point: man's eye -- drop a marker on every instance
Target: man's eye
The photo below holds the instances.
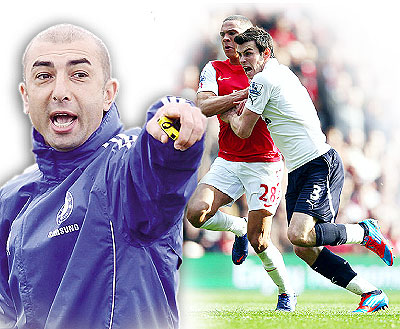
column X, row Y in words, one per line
column 80, row 75
column 43, row 76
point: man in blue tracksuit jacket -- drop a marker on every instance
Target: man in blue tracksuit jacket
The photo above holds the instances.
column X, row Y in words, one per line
column 91, row 236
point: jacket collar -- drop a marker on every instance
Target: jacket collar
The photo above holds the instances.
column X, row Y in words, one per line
column 56, row 165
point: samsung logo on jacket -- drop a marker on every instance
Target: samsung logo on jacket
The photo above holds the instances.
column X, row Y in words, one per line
column 63, row 230
column 94, row 236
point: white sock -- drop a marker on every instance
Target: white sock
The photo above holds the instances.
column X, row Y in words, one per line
column 355, row 233
column 224, row 222
column 360, row 286
column 273, row 263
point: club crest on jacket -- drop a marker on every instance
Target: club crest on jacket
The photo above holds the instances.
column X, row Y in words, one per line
column 66, row 210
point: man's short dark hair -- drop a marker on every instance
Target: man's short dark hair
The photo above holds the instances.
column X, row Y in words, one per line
column 261, row 37
column 242, row 19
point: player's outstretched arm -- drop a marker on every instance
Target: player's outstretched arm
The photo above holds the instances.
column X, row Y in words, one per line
column 193, row 124
column 210, row 104
column 153, row 172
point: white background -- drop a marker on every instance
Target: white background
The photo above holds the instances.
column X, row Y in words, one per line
column 148, row 43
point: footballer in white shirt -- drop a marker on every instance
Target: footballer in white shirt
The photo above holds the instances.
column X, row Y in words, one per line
column 315, row 169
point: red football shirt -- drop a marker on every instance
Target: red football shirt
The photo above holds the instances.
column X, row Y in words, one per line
column 259, row 147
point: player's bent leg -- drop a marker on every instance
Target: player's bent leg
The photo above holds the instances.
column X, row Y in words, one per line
column 202, row 212
column 302, row 234
column 301, row 231
column 204, row 203
column 376, row 242
column 306, row 231
column 372, row 301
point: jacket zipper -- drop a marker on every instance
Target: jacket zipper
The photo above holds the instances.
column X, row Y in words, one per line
column 114, row 275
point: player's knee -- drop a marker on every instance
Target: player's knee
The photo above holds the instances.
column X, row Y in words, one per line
column 258, row 242
column 298, row 238
column 198, row 212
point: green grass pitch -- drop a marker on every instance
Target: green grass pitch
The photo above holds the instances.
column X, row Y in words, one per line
column 226, row 309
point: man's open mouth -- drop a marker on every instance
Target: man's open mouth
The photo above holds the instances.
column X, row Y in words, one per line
column 63, row 120
column 247, row 69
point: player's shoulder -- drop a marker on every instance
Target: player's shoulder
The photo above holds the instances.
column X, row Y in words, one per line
column 271, row 74
column 223, row 65
column 220, row 62
column 214, row 66
column 209, row 66
column 262, row 78
column 29, row 175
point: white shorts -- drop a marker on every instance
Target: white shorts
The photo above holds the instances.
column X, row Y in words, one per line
column 261, row 181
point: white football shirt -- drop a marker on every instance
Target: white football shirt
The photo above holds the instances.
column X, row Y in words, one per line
column 208, row 79
column 284, row 103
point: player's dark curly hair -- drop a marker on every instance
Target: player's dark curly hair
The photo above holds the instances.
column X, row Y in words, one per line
column 261, row 37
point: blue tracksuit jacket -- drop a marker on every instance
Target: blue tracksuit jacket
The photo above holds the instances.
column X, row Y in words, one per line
column 92, row 238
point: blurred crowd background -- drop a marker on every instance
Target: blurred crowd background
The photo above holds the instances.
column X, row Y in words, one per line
column 354, row 114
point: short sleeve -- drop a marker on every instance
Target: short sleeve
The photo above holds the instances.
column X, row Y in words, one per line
column 208, row 79
column 259, row 94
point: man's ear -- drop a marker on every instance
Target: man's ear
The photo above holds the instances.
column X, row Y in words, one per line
column 24, row 95
column 110, row 92
column 267, row 53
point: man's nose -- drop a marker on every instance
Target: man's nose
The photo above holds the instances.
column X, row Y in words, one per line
column 61, row 92
column 226, row 37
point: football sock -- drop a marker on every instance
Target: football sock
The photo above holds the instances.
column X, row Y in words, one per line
column 334, row 268
column 330, row 234
column 273, row 263
column 355, row 233
column 360, row 286
column 224, row 222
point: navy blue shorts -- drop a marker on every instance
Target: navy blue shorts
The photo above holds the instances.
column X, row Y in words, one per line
column 315, row 188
